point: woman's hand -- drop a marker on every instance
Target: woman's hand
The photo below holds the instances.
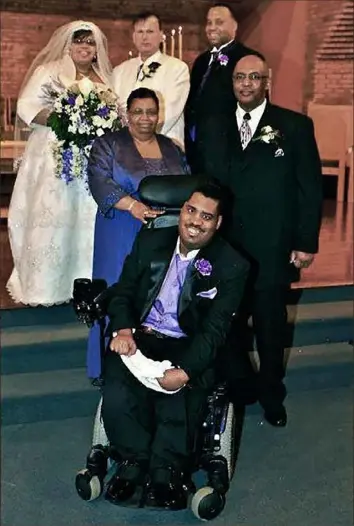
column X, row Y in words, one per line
column 143, row 212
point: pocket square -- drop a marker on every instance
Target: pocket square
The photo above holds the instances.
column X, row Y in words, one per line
column 279, row 153
column 208, row 294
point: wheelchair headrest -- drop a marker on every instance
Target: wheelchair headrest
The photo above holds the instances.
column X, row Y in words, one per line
column 169, row 191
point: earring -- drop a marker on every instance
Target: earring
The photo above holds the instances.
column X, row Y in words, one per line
column 94, row 58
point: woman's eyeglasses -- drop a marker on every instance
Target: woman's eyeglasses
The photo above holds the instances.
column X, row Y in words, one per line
column 138, row 113
column 88, row 41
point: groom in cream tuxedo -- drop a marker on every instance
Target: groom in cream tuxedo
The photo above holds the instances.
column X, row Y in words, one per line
column 166, row 75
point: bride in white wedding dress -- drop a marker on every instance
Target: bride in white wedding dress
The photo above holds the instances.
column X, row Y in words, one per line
column 51, row 223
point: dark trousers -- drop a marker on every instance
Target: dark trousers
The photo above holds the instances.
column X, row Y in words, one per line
column 154, row 428
column 267, row 307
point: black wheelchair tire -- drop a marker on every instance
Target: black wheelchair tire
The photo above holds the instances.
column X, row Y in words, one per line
column 207, row 503
column 87, row 486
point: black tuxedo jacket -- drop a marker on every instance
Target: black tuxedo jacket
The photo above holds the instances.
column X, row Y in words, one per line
column 215, row 98
column 206, row 322
column 276, row 190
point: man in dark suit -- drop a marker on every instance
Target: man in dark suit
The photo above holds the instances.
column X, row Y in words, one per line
column 211, row 92
column 271, row 163
column 179, row 289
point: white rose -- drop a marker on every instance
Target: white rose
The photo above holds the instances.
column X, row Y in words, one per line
column 266, row 139
column 85, row 86
column 99, row 132
column 97, row 121
column 267, row 129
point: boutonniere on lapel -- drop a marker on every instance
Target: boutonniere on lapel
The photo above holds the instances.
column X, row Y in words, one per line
column 222, row 59
column 205, row 268
column 147, row 72
column 270, row 136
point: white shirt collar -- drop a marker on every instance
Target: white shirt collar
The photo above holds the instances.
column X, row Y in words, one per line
column 218, row 49
column 191, row 255
column 156, row 57
column 256, row 114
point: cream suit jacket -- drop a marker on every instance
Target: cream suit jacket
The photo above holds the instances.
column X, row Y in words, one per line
column 170, row 83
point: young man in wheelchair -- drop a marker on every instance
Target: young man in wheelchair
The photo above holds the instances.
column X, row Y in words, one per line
column 173, row 304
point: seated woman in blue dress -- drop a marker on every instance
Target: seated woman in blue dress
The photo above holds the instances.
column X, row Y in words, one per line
column 118, row 162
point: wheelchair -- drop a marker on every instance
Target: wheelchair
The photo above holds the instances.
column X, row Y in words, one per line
column 218, row 440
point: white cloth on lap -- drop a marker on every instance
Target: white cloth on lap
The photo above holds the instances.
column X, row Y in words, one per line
column 147, row 371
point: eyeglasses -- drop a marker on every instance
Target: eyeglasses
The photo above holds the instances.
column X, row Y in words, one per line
column 253, row 77
column 88, row 41
column 139, row 113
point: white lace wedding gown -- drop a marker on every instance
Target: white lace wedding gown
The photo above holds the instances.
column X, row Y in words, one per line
column 51, row 223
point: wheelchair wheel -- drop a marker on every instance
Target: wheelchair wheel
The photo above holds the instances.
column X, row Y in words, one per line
column 88, row 487
column 99, row 433
column 227, row 441
column 207, row 503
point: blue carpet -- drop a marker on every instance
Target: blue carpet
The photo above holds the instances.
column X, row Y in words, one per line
column 298, row 476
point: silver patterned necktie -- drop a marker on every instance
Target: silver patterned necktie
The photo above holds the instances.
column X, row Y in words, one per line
column 245, row 131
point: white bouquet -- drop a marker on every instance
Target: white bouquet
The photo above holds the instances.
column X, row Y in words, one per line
column 81, row 113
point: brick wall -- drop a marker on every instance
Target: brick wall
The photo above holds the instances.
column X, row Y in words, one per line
column 333, row 82
column 327, row 81
column 186, row 10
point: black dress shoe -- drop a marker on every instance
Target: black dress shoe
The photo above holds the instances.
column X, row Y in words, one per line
column 169, row 490
column 277, row 418
column 166, row 497
column 126, row 486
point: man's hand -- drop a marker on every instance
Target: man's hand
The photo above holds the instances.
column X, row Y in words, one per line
column 123, row 343
column 301, row 259
column 173, row 379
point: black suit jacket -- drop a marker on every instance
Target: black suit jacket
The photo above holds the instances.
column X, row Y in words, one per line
column 215, row 98
column 206, row 322
column 277, row 197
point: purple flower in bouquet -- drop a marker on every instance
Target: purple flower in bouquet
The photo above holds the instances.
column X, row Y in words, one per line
column 203, row 266
column 71, row 100
column 223, row 59
column 103, row 112
column 67, row 165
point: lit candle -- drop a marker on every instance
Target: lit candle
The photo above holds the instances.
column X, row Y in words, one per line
column 164, row 43
column 180, row 42
column 173, row 42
